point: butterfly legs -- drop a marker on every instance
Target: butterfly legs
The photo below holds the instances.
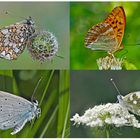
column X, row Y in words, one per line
column 111, row 55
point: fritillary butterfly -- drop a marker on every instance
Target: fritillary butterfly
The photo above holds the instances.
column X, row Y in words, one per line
column 108, row 34
column 14, row 38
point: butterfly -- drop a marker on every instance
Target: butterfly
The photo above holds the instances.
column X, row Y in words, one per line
column 16, row 111
column 108, row 35
column 130, row 101
column 14, row 38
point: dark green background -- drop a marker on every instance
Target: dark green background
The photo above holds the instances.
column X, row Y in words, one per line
column 86, row 14
column 90, row 88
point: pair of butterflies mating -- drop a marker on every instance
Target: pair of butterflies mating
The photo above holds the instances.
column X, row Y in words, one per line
column 108, row 35
column 16, row 111
column 14, row 38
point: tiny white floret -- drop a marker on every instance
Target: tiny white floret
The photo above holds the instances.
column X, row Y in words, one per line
column 135, row 102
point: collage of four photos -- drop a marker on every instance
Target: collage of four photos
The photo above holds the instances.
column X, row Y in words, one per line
column 69, row 69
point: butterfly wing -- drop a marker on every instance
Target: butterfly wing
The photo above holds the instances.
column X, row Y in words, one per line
column 132, row 102
column 13, row 110
column 13, row 40
column 108, row 34
column 101, row 37
column 117, row 20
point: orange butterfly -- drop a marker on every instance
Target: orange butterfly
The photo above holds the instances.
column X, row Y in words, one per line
column 108, row 34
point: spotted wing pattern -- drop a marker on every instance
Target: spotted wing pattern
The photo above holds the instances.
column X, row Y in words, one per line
column 14, row 38
column 108, row 34
column 14, row 111
column 132, row 102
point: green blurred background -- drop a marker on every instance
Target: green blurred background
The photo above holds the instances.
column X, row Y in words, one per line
column 86, row 14
column 90, row 88
column 51, row 16
column 52, row 95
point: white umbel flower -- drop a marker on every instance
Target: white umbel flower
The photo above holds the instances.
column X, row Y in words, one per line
column 110, row 63
column 108, row 114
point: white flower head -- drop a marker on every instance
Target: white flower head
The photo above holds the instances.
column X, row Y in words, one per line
column 110, row 63
column 108, row 114
column 43, row 46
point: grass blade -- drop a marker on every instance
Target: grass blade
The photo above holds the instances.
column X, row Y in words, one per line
column 49, row 122
column 49, row 80
column 63, row 114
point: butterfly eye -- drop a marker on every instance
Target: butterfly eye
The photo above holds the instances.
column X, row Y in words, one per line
column 119, row 97
column 35, row 102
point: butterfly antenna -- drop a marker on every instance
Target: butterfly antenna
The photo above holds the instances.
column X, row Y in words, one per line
column 115, row 86
column 133, row 44
column 32, row 98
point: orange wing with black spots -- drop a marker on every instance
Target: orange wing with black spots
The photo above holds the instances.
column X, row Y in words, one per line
column 108, row 34
column 117, row 20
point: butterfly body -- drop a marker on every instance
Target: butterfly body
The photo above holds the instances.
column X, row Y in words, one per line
column 14, row 38
column 108, row 35
column 131, row 102
column 15, row 111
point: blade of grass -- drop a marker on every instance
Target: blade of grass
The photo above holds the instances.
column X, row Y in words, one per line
column 49, row 122
column 63, row 103
column 66, row 120
column 15, row 87
column 6, row 83
column 46, row 88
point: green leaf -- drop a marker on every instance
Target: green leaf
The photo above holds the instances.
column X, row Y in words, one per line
column 63, row 114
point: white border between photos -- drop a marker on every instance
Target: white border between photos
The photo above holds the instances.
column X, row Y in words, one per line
column 68, row 0
column 67, row 138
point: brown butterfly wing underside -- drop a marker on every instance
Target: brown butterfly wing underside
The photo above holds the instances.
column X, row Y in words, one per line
column 108, row 34
column 14, row 38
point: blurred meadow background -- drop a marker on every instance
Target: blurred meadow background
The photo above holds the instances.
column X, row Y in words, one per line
column 50, row 16
column 52, row 95
column 86, row 14
column 90, row 88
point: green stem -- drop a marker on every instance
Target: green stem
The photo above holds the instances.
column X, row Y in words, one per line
column 107, row 133
column 49, row 122
column 65, row 121
column 44, row 93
